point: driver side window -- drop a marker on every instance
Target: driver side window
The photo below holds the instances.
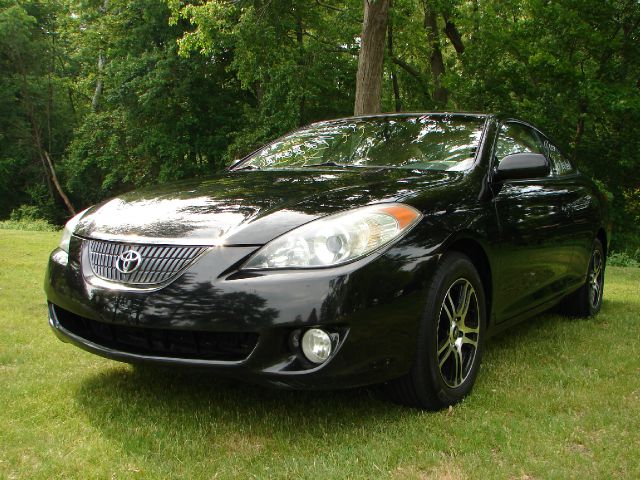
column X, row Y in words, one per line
column 517, row 138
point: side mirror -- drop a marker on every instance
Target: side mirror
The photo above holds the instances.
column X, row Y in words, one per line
column 522, row 165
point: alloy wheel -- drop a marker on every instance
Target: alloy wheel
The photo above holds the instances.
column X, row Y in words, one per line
column 458, row 332
column 596, row 278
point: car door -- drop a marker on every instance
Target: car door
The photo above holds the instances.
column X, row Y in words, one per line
column 533, row 244
column 580, row 208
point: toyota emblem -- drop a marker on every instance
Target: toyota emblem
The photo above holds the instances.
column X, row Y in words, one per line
column 128, row 261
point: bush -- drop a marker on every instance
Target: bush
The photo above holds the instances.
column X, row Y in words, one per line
column 624, row 259
column 28, row 225
column 27, row 217
column 25, row 213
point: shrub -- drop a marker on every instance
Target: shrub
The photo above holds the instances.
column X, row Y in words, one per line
column 28, row 225
column 26, row 217
column 624, row 259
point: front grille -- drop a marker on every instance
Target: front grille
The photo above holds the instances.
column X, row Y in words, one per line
column 222, row 346
column 158, row 263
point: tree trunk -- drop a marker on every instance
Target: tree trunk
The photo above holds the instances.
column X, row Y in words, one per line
column 440, row 94
column 47, row 164
column 97, row 93
column 36, row 133
column 370, row 60
column 54, row 178
column 582, row 113
column 394, row 77
column 99, row 84
column 301, row 65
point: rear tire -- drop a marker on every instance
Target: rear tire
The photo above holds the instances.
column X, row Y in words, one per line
column 587, row 300
column 450, row 339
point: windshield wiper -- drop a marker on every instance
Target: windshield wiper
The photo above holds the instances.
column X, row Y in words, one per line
column 325, row 164
column 346, row 165
column 246, row 167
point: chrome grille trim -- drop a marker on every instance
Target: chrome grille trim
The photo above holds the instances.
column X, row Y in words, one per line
column 160, row 263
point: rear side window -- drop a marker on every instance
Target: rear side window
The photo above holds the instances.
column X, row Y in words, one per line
column 517, row 138
column 560, row 165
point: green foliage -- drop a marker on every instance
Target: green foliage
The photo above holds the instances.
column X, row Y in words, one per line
column 632, row 202
column 27, row 217
column 160, row 117
column 32, row 101
column 624, row 259
column 626, row 217
column 122, row 94
column 37, row 225
column 25, row 213
column 294, row 59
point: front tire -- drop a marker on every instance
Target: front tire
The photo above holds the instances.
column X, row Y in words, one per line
column 450, row 340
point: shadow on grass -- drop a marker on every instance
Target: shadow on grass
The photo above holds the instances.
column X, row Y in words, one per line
column 141, row 403
column 148, row 405
column 526, row 331
column 535, row 329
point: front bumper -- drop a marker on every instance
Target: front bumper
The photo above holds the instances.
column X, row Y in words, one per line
column 373, row 305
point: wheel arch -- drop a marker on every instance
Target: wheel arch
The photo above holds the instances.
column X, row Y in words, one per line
column 477, row 253
column 602, row 236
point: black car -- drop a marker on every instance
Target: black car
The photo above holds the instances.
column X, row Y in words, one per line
column 377, row 249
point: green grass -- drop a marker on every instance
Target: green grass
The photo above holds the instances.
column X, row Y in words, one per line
column 556, row 398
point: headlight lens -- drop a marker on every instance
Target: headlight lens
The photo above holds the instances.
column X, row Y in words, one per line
column 336, row 239
column 68, row 231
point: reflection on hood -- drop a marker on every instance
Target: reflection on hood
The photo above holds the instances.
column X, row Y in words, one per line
column 245, row 207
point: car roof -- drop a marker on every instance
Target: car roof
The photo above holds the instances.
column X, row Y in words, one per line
column 477, row 115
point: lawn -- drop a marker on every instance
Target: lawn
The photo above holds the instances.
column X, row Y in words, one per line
column 556, row 398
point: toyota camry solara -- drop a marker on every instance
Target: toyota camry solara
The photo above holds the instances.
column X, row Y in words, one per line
column 379, row 249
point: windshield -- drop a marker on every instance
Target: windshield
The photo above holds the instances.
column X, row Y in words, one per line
column 419, row 142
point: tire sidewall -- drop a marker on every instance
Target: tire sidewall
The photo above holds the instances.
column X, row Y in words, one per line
column 453, row 267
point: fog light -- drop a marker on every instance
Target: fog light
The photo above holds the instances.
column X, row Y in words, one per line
column 316, row 345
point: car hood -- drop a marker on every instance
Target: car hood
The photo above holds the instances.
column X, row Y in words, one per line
column 247, row 207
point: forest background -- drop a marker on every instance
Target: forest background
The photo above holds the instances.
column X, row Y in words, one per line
column 102, row 96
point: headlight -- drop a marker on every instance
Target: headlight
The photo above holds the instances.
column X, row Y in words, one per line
column 68, row 230
column 336, row 239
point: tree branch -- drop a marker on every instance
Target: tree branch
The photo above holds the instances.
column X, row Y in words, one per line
column 54, row 177
column 440, row 94
column 334, row 48
column 330, row 7
column 410, row 69
column 452, row 33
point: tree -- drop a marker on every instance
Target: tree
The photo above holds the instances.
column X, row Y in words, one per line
column 295, row 60
column 185, row 87
column 161, row 116
column 371, row 58
column 33, row 130
column 440, row 93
